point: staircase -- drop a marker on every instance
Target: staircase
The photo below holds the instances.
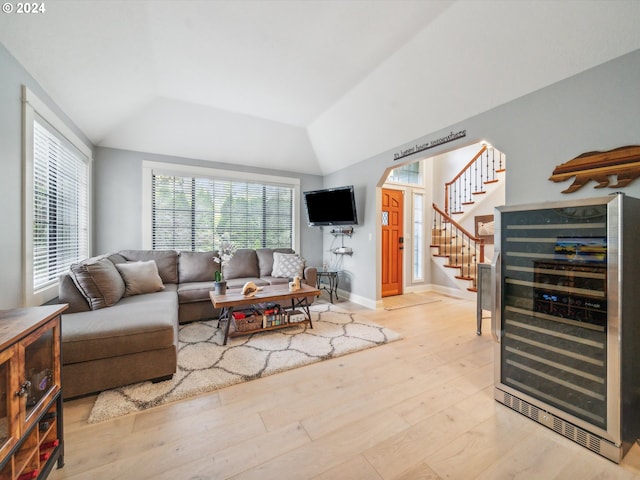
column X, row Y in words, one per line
column 459, row 250
column 453, row 247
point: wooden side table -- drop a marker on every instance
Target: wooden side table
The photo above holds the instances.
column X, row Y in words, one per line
column 331, row 283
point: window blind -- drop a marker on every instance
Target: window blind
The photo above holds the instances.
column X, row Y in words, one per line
column 60, row 205
column 194, row 213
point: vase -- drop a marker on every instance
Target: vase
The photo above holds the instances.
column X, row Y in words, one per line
column 220, row 288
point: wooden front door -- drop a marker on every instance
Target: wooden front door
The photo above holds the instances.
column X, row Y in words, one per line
column 392, row 241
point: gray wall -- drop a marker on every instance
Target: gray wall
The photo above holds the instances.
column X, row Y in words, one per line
column 12, row 77
column 118, row 199
column 596, row 110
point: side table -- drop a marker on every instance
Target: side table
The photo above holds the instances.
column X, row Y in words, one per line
column 330, row 283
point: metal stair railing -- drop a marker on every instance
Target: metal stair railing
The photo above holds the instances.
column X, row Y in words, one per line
column 464, row 250
column 481, row 170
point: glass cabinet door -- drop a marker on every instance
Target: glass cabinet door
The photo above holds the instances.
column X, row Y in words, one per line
column 8, row 402
column 40, row 357
column 554, row 308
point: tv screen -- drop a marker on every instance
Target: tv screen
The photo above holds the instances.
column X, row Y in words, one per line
column 332, row 206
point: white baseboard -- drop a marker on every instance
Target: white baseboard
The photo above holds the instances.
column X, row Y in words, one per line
column 364, row 301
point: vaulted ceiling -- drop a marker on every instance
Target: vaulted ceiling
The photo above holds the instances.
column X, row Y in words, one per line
column 302, row 85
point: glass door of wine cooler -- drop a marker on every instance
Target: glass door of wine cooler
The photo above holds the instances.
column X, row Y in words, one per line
column 553, row 315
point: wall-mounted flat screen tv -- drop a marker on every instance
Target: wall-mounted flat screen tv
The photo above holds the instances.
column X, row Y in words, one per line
column 331, row 206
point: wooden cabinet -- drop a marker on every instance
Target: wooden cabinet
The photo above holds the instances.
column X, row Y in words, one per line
column 31, row 435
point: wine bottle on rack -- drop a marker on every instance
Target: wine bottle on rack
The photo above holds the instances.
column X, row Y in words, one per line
column 49, row 445
column 44, row 456
column 29, row 475
column 49, row 416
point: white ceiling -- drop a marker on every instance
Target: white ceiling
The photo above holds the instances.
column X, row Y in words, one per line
column 301, row 85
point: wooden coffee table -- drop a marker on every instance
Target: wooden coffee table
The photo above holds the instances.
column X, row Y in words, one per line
column 271, row 293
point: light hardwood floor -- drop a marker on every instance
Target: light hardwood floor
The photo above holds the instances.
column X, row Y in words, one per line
column 419, row 408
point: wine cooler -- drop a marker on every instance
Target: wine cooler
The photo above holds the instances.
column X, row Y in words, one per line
column 566, row 319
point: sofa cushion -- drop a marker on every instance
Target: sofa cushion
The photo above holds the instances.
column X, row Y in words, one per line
column 287, row 265
column 98, row 281
column 69, row 293
column 140, row 277
column 265, row 258
column 275, row 280
column 197, row 266
column 244, row 263
column 239, row 282
column 194, row 292
column 136, row 324
column 166, row 260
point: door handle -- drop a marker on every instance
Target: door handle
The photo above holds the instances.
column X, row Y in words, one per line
column 495, row 300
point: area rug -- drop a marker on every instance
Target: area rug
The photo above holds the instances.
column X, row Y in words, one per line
column 205, row 365
column 408, row 300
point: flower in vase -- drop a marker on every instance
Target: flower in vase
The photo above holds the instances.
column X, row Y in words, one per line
column 226, row 250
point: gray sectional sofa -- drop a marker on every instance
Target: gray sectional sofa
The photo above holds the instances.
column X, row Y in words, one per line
column 124, row 309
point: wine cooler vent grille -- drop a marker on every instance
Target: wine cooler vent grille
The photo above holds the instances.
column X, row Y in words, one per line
column 565, row 429
column 521, row 406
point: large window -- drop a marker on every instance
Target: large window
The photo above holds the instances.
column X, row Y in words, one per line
column 418, row 237
column 57, row 172
column 194, row 210
column 410, row 173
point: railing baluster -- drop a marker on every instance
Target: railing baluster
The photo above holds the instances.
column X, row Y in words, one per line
column 493, row 163
column 486, row 157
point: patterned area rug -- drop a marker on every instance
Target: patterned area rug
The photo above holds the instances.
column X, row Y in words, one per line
column 204, row 364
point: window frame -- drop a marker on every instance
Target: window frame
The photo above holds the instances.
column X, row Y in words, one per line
column 32, row 106
column 149, row 168
column 417, row 237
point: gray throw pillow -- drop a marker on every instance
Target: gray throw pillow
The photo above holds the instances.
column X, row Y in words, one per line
column 287, row 265
column 140, row 277
column 98, row 281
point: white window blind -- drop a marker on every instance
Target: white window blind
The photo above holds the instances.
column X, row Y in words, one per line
column 193, row 213
column 60, row 205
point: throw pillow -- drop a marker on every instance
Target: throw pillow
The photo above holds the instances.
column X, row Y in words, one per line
column 287, row 265
column 98, row 281
column 140, row 277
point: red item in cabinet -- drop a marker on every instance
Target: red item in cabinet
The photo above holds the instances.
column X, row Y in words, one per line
column 28, row 475
column 51, row 444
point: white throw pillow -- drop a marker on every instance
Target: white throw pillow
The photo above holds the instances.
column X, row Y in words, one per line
column 287, row 265
column 140, row 277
